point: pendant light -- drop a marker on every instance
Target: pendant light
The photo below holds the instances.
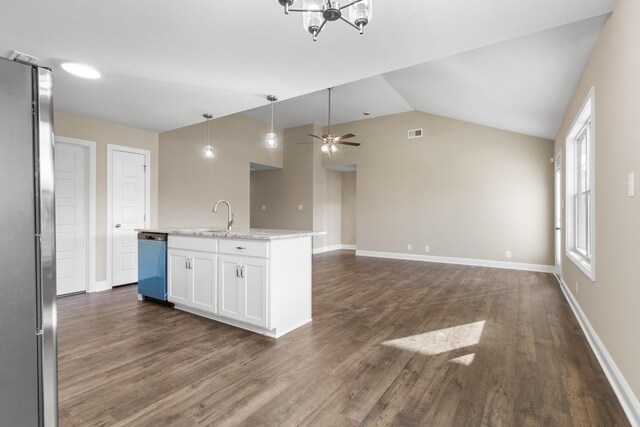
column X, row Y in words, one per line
column 208, row 149
column 272, row 138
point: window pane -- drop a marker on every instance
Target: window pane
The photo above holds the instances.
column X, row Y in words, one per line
column 581, row 163
column 581, row 222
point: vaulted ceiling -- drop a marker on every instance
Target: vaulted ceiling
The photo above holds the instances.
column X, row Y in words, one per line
column 166, row 62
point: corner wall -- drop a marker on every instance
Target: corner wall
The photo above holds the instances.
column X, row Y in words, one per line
column 464, row 190
column 611, row 302
column 189, row 184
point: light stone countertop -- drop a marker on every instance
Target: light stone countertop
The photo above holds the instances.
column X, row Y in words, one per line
column 250, row 234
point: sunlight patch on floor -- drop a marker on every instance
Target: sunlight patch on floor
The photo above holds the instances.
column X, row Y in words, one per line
column 443, row 341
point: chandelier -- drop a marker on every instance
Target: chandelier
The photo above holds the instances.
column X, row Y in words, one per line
column 316, row 13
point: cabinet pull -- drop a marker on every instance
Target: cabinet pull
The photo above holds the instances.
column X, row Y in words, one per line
column 237, row 271
column 242, row 271
column 188, row 264
column 241, row 248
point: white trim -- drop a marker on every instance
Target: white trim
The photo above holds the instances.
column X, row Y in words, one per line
column 620, row 386
column 109, row 228
column 99, row 287
column 461, row 261
column 333, row 248
column 587, row 266
column 91, row 205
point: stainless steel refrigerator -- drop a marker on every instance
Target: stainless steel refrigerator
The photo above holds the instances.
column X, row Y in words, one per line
column 28, row 354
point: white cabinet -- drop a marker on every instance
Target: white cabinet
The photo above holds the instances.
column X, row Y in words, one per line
column 242, row 289
column 259, row 285
column 192, row 279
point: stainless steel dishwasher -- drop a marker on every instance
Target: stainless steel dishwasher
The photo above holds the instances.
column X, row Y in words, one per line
column 152, row 266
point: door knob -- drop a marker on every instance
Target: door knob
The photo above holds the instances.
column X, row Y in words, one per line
column 118, row 225
column 558, row 228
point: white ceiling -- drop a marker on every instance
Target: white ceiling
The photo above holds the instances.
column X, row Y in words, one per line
column 167, row 62
column 523, row 85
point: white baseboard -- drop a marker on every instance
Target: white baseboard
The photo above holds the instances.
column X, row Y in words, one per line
column 99, row 287
column 333, row 248
column 620, row 386
column 462, row 261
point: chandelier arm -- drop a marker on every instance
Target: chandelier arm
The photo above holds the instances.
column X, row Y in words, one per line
column 321, row 27
column 351, row 23
column 350, row 4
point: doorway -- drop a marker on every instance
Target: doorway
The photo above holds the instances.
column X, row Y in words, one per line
column 75, row 215
column 128, row 207
column 558, row 204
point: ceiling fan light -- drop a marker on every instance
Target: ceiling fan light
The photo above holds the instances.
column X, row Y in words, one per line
column 334, row 148
column 325, row 148
column 272, row 140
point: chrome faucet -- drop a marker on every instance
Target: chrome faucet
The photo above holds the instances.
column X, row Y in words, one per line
column 231, row 218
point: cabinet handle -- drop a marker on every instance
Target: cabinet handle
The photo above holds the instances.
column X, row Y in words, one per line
column 241, row 248
column 242, row 271
column 188, row 263
column 237, row 271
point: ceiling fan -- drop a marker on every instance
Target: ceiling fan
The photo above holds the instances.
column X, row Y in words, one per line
column 329, row 141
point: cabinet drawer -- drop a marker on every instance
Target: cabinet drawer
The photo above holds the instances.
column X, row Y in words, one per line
column 245, row 247
column 201, row 244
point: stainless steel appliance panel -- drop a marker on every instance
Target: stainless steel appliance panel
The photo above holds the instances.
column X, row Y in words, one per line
column 19, row 394
column 45, row 227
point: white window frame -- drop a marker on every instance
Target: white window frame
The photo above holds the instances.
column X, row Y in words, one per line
column 584, row 122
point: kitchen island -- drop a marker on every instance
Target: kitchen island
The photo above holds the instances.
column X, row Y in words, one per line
column 255, row 279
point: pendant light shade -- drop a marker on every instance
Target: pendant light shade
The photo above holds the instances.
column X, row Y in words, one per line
column 272, row 138
column 209, row 153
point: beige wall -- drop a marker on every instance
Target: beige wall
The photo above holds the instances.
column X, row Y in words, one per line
column 282, row 190
column 327, row 202
column 189, row 184
column 349, row 208
column 103, row 133
column 611, row 302
column 465, row 190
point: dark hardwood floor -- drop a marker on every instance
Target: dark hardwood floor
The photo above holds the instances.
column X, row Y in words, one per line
column 392, row 342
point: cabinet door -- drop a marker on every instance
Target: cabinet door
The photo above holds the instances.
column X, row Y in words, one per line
column 179, row 277
column 254, row 278
column 203, row 295
column 229, row 297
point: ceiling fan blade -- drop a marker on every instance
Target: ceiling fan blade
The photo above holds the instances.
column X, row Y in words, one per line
column 347, row 136
column 316, row 136
column 310, row 142
column 355, row 144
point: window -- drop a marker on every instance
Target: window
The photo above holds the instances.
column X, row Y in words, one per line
column 580, row 189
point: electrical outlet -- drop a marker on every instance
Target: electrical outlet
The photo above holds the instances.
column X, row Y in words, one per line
column 300, row 207
column 508, row 254
column 409, row 247
column 631, row 184
column 426, row 248
column 264, row 207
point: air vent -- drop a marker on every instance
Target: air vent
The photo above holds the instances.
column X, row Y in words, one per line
column 414, row 133
column 22, row 57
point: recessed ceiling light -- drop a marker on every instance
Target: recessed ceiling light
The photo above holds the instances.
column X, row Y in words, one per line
column 81, row 70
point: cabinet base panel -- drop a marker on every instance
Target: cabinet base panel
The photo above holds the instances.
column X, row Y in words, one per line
column 273, row 333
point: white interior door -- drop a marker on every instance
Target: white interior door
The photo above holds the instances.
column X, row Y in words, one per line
column 128, row 175
column 558, row 212
column 71, row 217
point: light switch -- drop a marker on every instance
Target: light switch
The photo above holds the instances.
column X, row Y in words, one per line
column 300, row 207
column 631, row 184
column 264, row 207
